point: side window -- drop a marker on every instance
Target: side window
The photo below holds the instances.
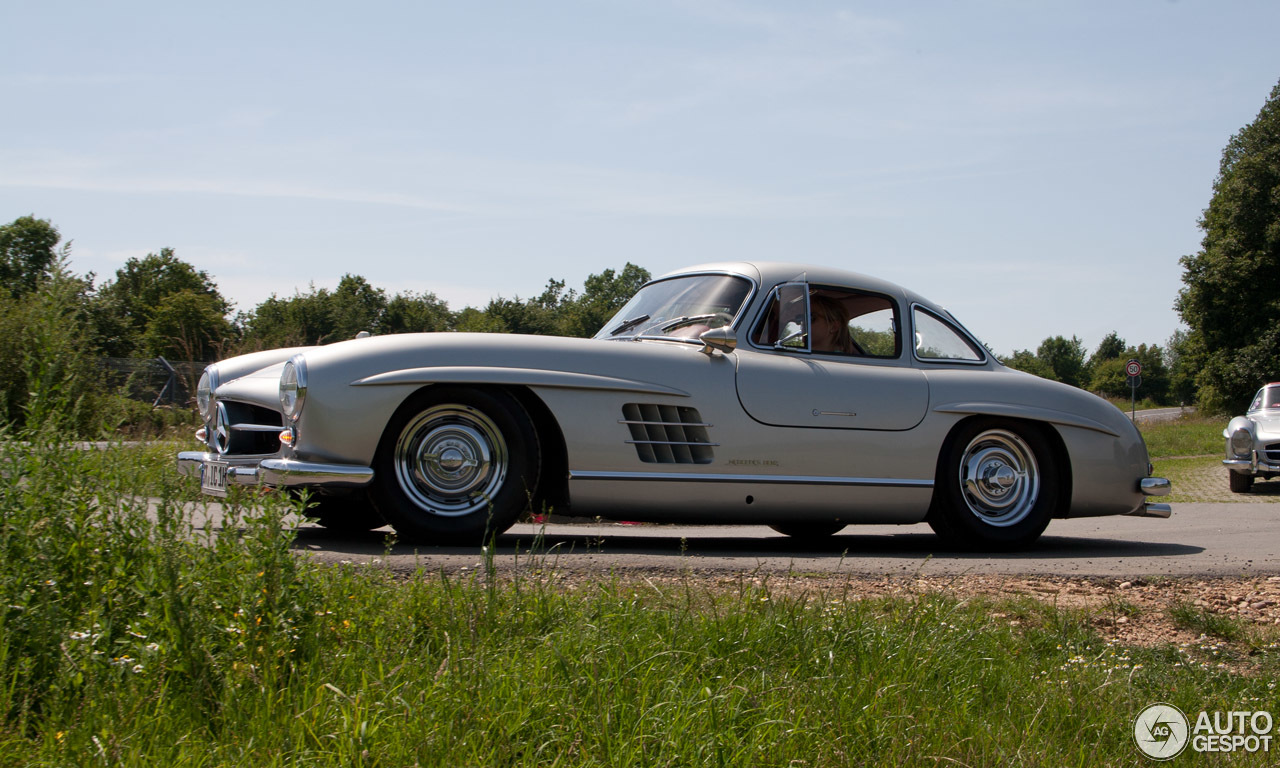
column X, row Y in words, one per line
column 785, row 324
column 828, row 320
column 936, row 339
column 876, row 332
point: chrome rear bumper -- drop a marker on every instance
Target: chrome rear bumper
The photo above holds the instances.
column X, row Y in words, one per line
column 1153, row 486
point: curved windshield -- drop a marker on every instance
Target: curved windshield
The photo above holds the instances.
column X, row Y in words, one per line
column 679, row 308
column 1267, row 399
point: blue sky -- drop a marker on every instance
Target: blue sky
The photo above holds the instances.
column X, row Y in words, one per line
column 1036, row 167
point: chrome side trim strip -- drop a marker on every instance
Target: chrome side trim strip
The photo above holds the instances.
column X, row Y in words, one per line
column 667, row 423
column 699, row 477
column 533, row 377
column 668, row 442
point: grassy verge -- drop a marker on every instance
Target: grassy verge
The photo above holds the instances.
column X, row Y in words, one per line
column 1194, row 436
column 128, row 636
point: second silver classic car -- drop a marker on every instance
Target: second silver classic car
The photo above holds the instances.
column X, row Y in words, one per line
column 1253, row 441
column 803, row 398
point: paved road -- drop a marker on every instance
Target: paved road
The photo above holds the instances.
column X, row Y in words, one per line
column 1161, row 414
column 1241, row 539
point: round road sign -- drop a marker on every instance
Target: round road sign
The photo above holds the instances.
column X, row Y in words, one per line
column 1133, row 368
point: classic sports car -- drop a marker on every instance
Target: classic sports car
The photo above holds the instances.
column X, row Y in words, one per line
column 1253, row 441
column 803, row 398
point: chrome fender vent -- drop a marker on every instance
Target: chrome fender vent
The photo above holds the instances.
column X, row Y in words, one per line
column 668, row 434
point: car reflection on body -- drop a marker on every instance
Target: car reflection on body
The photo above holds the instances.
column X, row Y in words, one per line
column 706, row 399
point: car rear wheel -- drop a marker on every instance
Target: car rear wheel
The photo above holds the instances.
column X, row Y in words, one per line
column 1240, row 483
column 811, row 531
column 997, row 487
column 456, row 466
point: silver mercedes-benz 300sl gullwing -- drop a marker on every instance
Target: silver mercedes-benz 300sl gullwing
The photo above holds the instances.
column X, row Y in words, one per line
column 802, row 398
column 1253, row 441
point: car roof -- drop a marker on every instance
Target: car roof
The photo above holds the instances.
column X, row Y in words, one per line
column 769, row 273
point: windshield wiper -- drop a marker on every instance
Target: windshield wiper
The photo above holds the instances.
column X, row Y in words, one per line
column 628, row 325
column 680, row 322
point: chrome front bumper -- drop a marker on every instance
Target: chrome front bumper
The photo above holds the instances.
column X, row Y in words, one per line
column 275, row 471
column 1250, row 466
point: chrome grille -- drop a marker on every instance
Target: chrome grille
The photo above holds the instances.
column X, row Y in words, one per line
column 668, row 434
column 243, row 429
column 1271, row 453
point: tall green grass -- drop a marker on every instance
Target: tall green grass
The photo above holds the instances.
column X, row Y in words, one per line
column 113, row 603
column 1188, row 436
column 134, row 634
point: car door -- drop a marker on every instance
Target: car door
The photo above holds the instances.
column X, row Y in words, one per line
column 786, row 378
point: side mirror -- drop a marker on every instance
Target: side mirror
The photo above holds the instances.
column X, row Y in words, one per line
column 719, row 339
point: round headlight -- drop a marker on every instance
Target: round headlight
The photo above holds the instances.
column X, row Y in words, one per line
column 1242, row 443
column 293, row 387
column 205, row 391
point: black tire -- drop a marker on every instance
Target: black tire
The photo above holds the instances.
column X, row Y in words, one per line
column 348, row 513
column 456, row 466
column 996, row 487
column 1240, row 483
column 809, row 531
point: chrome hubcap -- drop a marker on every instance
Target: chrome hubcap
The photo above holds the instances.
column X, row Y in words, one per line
column 999, row 478
column 450, row 460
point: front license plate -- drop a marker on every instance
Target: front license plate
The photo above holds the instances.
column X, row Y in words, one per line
column 213, row 478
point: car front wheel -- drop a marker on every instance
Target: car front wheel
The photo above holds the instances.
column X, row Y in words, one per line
column 996, row 488
column 1240, row 483
column 456, row 466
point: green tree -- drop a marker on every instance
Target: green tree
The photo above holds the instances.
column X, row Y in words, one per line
column 187, row 326
column 1026, row 360
column 416, row 313
column 472, row 320
column 300, row 320
column 28, row 253
column 355, row 306
column 1231, row 298
column 1183, row 355
column 1109, row 377
column 48, row 375
column 603, row 294
column 127, row 305
column 1111, row 347
column 1064, row 357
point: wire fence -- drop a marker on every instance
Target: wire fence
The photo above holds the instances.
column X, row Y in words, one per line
column 153, row 380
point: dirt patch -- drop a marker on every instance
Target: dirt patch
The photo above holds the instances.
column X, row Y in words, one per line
column 1231, row 616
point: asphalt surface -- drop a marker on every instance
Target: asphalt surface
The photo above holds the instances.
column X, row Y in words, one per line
column 1161, row 414
column 1210, row 540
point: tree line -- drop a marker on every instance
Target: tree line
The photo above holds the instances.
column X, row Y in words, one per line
column 55, row 324
column 1167, row 378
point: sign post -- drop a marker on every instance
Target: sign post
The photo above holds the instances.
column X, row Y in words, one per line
column 1133, row 369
